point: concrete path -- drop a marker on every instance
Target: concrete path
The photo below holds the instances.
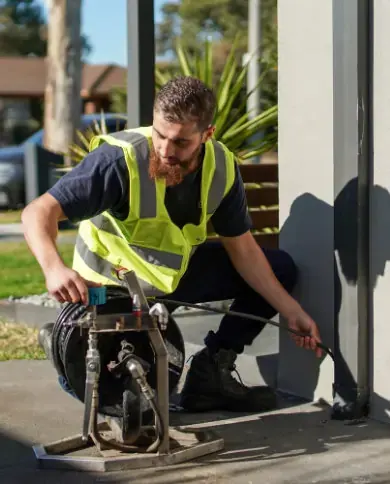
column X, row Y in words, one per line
column 11, row 229
column 11, row 232
column 296, row 444
column 14, row 233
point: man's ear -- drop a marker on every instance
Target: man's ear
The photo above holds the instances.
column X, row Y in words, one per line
column 208, row 133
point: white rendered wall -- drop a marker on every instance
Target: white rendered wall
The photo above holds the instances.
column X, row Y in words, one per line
column 380, row 215
column 318, row 145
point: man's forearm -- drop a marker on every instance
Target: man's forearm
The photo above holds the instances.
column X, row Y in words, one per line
column 40, row 225
column 254, row 268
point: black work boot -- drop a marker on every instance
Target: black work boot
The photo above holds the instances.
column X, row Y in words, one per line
column 45, row 339
column 210, row 385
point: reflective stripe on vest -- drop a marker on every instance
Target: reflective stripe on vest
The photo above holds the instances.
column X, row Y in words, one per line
column 148, row 202
column 106, row 269
column 218, row 184
column 153, row 256
column 95, row 262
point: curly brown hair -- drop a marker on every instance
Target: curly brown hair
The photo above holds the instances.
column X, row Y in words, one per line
column 186, row 99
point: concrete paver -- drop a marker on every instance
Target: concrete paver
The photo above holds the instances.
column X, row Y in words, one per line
column 296, row 444
column 14, row 233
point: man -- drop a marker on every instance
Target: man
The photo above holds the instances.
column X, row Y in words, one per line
column 144, row 198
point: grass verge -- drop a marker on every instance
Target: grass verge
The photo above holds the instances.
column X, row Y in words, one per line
column 10, row 216
column 20, row 273
column 19, row 342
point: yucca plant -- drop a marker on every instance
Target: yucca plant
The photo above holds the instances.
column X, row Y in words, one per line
column 235, row 126
column 78, row 151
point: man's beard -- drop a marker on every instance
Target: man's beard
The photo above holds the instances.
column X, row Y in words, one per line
column 172, row 174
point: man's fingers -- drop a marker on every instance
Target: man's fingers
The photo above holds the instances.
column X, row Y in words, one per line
column 76, row 290
column 92, row 283
column 299, row 341
column 58, row 296
column 296, row 339
column 318, row 352
column 82, row 289
column 73, row 291
column 308, row 342
column 64, row 295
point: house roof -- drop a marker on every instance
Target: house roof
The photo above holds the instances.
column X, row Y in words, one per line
column 26, row 76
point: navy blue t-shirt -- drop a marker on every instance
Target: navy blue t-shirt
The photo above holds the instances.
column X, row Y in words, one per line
column 101, row 183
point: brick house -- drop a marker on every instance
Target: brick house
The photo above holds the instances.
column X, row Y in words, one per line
column 22, row 87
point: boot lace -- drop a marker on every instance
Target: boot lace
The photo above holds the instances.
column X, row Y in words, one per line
column 233, row 368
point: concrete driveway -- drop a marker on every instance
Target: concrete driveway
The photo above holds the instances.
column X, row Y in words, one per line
column 296, row 444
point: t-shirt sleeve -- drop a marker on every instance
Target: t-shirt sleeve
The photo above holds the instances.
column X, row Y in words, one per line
column 98, row 183
column 232, row 218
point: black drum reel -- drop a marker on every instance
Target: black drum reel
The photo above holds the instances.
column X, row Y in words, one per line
column 116, row 355
column 70, row 345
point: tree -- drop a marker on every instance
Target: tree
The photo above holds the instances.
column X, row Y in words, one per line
column 193, row 21
column 220, row 19
column 24, row 29
column 62, row 96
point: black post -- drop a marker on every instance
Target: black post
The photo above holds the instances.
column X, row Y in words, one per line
column 39, row 166
column 141, row 62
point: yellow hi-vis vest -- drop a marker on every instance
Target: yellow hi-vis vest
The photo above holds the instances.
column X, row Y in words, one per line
column 148, row 242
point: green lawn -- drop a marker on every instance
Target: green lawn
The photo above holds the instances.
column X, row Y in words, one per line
column 10, row 216
column 20, row 274
column 19, row 342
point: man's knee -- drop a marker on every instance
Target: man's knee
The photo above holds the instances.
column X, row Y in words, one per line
column 287, row 270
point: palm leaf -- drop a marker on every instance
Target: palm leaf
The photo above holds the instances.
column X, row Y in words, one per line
column 208, row 64
column 83, row 139
column 259, row 122
column 183, row 60
column 160, row 78
column 103, row 125
column 76, row 152
column 234, row 91
column 235, row 126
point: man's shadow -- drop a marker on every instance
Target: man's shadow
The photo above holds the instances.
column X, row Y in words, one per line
column 312, row 228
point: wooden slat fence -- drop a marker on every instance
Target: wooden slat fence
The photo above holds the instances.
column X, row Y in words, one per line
column 261, row 185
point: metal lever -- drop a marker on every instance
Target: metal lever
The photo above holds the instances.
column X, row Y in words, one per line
column 96, row 296
column 134, row 288
column 161, row 313
column 91, row 382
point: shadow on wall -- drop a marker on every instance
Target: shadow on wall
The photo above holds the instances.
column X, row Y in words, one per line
column 307, row 235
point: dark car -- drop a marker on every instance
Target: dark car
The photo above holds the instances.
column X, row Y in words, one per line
column 12, row 186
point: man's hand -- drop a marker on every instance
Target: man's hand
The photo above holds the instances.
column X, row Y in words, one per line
column 303, row 323
column 66, row 285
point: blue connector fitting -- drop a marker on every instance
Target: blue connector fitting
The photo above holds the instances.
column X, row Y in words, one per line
column 97, row 296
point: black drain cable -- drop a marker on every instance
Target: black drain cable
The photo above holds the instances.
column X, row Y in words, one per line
column 237, row 314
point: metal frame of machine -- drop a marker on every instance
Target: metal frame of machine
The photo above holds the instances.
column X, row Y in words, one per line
column 120, row 447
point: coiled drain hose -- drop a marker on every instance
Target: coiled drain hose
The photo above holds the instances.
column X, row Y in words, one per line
column 128, row 448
